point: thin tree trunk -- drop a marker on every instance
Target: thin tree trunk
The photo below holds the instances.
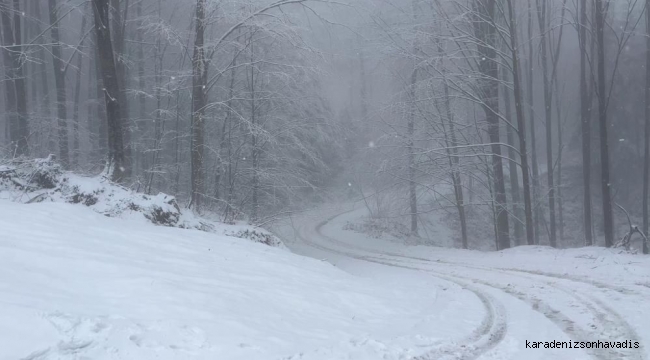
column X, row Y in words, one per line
column 92, row 113
column 102, row 121
column 454, row 163
column 410, row 148
column 531, row 115
column 608, row 218
column 512, row 167
column 226, row 124
column 542, row 11
column 560, row 153
column 555, row 54
column 198, row 106
column 155, row 152
column 452, row 154
column 646, row 147
column 585, row 120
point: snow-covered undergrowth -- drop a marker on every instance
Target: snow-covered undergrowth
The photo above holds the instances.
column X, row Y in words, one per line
column 613, row 265
column 75, row 284
column 43, row 180
column 378, row 228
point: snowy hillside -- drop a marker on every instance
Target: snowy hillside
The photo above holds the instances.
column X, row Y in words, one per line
column 75, row 284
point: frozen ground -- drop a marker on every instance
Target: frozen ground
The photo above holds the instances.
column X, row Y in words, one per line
column 75, row 284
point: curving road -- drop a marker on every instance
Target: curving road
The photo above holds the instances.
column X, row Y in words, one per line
column 518, row 305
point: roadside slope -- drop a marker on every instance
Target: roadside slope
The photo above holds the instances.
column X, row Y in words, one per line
column 76, row 284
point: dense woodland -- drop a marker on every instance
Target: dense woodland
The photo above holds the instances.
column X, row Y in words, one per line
column 518, row 121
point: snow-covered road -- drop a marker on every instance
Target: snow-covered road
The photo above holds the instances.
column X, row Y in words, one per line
column 523, row 296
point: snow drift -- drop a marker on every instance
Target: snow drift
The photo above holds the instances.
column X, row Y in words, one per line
column 43, row 180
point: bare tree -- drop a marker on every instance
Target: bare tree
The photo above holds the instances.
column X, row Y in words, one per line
column 646, row 144
column 585, row 121
column 521, row 125
column 199, row 83
column 605, row 182
column 486, row 33
column 115, row 168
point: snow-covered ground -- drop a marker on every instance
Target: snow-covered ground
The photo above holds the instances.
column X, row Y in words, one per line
column 75, row 284
column 528, row 293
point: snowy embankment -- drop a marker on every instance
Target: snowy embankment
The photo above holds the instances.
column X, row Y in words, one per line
column 42, row 180
column 77, row 284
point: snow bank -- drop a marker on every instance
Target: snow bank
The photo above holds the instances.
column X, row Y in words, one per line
column 78, row 285
column 42, row 180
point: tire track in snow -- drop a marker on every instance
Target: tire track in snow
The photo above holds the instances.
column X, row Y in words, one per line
column 612, row 323
column 486, row 336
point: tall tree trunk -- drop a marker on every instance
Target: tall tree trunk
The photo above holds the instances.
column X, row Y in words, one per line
column 646, row 147
column 142, row 99
column 115, row 162
column 410, row 145
column 91, row 111
column 59, row 80
column 102, row 121
column 77, row 92
column 199, row 78
column 521, row 125
column 485, row 31
column 514, row 173
column 410, row 149
column 531, row 115
column 224, row 127
column 254, row 144
column 119, row 17
column 16, row 93
column 44, row 87
column 555, row 54
column 21, row 89
column 585, row 121
column 608, row 218
column 542, row 12
column 560, row 153
column 10, row 68
column 454, row 164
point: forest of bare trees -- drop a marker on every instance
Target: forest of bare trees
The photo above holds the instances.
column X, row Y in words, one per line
column 518, row 122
